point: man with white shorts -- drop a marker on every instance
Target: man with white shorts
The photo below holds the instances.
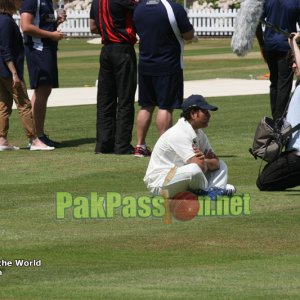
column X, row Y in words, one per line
column 183, row 159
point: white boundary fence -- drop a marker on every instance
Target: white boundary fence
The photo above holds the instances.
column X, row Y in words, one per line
column 213, row 22
column 205, row 22
column 77, row 24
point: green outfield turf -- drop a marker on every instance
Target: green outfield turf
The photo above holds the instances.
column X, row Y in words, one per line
column 207, row 59
column 230, row 257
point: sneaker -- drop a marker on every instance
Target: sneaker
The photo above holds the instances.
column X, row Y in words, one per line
column 29, row 143
column 142, row 152
column 8, row 148
column 38, row 148
column 45, row 139
column 230, row 188
column 214, row 192
column 199, row 192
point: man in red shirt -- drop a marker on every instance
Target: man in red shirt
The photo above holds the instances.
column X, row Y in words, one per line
column 112, row 19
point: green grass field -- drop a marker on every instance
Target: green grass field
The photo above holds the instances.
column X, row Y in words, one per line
column 232, row 257
column 207, row 59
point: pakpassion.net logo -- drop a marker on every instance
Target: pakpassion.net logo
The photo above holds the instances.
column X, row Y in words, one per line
column 112, row 204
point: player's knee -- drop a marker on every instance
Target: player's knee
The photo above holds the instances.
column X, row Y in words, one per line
column 195, row 170
column 223, row 165
column 264, row 183
column 260, row 184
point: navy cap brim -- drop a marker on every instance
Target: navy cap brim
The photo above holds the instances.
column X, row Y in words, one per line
column 209, row 107
column 197, row 101
column 204, row 106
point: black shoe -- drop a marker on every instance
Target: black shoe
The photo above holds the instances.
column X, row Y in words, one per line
column 45, row 139
column 101, row 148
column 129, row 150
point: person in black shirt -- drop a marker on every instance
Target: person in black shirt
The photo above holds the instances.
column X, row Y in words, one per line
column 274, row 48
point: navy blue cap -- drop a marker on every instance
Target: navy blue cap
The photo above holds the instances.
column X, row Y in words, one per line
column 197, row 101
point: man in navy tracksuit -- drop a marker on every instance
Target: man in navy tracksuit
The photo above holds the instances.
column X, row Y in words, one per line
column 284, row 14
column 112, row 19
column 162, row 25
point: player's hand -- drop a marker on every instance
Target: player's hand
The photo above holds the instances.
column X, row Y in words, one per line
column 57, row 36
column 198, row 153
column 195, row 39
column 16, row 80
column 291, row 38
column 203, row 165
column 62, row 17
column 294, row 36
column 209, row 154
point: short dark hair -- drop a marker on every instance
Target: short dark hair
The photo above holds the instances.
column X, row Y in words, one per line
column 186, row 114
column 8, row 6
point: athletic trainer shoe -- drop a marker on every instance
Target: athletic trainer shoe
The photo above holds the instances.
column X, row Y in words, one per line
column 8, row 148
column 214, row 192
column 38, row 148
column 29, row 143
column 230, row 188
column 142, row 152
column 45, row 139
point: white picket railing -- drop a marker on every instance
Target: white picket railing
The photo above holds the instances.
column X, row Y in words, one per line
column 213, row 22
column 205, row 22
column 77, row 24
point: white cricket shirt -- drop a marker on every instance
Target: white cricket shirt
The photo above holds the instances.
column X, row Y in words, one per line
column 174, row 148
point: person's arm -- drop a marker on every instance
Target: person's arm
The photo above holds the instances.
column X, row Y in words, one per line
column 201, row 162
column 15, row 76
column 32, row 30
column 207, row 161
column 93, row 27
column 260, row 39
column 62, row 17
column 212, row 160
column 185, row 27
column 7, row 41
column 188, row 36
column 293, row 41
column 94, row 18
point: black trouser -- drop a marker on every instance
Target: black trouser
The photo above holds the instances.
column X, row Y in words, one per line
column 281, row 174
column 281, row 77
column 115, row 99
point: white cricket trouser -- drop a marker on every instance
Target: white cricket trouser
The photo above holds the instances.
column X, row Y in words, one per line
column 190, row 177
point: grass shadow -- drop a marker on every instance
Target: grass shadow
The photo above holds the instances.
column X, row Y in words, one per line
column 293, row 191
column 76, row 143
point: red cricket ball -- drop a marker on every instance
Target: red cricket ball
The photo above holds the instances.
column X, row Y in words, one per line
column 184, row 206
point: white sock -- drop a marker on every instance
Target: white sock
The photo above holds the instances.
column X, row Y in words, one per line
column 144, row 146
